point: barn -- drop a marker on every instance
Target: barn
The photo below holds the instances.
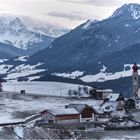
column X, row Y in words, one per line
column 100, row 94
column 60, row 116
column 87, row 113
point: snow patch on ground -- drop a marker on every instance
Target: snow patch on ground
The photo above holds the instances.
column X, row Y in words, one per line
column 103, row 69
column 19, row 131
column 127, row 25
column 34, row 77
column 135, row 13
column 22, row 58
column 3, row 60
column 20, row 71
column 72, row 75
column 104, row 76
column 4, row 68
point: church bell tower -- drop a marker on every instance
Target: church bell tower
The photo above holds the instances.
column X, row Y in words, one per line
column 135, row 80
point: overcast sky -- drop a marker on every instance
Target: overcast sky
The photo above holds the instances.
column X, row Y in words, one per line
column 68, row 13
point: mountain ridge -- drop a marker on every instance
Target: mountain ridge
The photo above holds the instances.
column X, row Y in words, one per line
column 30, row 38
column 99, row 40
column 94, row 52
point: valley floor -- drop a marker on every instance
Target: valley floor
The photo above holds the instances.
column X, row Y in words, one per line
column 39, row 96
column 16, row 107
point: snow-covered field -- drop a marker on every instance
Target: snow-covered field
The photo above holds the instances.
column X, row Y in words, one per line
column 43, row 88
column 16, row 103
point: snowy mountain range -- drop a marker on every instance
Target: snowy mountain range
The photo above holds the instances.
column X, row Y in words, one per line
column 26, row 34
column 94, row 52
column 83, row 48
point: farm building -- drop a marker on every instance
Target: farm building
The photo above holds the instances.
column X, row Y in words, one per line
column 100, row 94
column 87, row 113
column 60, row 116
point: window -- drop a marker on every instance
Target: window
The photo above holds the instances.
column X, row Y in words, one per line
column 50, row 121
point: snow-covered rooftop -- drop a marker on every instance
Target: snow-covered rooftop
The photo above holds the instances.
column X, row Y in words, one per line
column 105, row 90
column 78, row 107
column 113, row 97
column 109, row 106
column 62, row 111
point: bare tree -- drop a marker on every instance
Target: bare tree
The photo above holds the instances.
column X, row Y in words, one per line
column 70, row 92
column 85, row 90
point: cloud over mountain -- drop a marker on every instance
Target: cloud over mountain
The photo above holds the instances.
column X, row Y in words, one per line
column 96, row 2
column 74, row 15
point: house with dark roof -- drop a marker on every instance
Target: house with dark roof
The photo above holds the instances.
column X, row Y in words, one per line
column 100, row 94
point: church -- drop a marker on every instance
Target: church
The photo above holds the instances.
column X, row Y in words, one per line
column 135, row 80
column 134, row 101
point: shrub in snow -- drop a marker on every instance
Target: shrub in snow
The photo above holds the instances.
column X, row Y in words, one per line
column 92, row 92
column 85, row 90
column 75, row 92
column 69, row 92
column 79, row 92
column 79, row 89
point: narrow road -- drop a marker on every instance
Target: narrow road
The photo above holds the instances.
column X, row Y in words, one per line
column 25, row 121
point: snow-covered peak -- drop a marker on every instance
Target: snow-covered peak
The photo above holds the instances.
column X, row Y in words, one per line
column 17, row 23
column 132, row 10
column 49, row 30
column 88, row 24
column 23, row 32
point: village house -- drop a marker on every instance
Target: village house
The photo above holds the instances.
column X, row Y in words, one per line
column 130, row 103
column 101, row 116
column 87, row 113
column 60, row 116
column 133, row 103
column 109, row 110
column 100, row 94
column 113, row 105
column 137, row 103
column 114, row 109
